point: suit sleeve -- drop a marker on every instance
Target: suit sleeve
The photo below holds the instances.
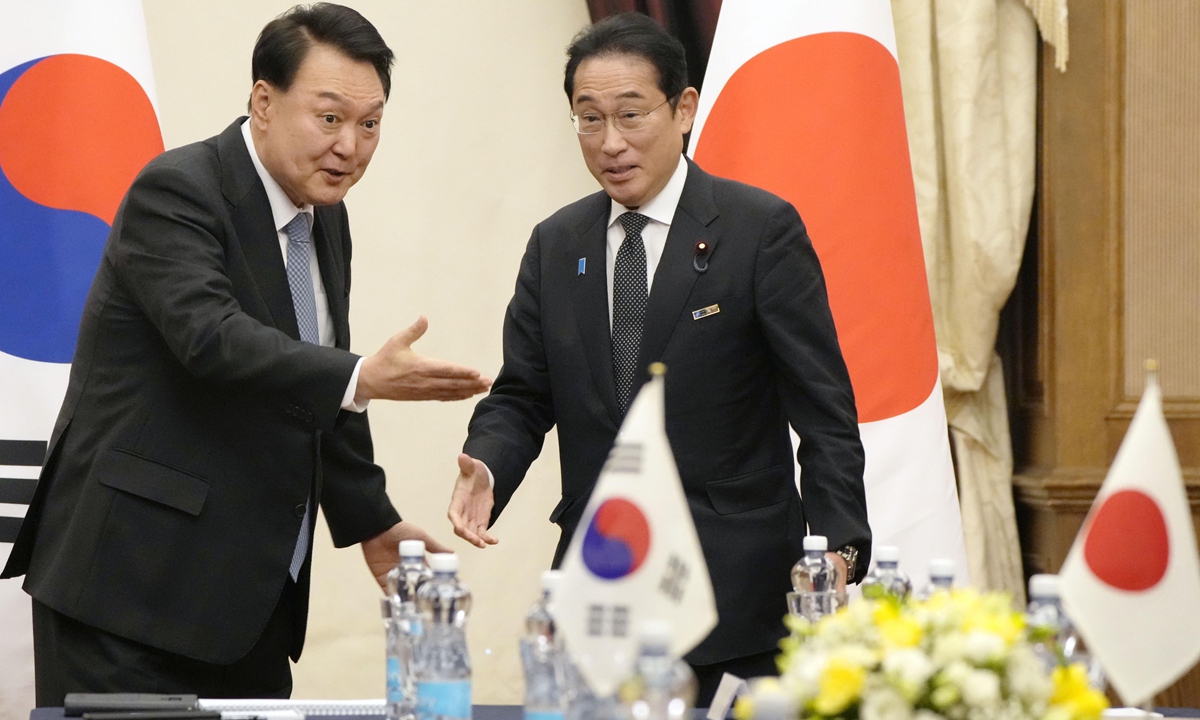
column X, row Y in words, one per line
column 170, row 259
column 793, row 308
column 354, row 494
column 509, row 426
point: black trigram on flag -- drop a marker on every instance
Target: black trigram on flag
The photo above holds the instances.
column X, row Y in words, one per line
column 17, row 491
column 626, row 457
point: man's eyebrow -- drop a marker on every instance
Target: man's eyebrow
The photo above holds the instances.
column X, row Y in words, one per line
column 623, row 96
column 331, row 95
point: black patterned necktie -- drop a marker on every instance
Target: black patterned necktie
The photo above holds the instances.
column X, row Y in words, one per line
column 629, row 305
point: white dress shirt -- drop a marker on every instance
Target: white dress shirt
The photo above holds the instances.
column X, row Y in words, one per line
column 284, row 210
column 660, row 211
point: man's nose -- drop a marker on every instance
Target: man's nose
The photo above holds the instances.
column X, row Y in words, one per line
column 613, row 139
column 346, row 142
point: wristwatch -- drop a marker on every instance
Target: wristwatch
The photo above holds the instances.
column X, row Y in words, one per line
column 849, row 553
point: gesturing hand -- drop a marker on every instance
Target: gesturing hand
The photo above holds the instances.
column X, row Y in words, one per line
column 471, row 503
column 382, row 552
column 398, row 373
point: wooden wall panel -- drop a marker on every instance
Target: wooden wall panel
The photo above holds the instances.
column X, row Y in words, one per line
column 1162, row 195
column 1112, row 269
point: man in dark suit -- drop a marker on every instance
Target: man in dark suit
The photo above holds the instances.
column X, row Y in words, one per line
column 717, row 280
column 213, row 403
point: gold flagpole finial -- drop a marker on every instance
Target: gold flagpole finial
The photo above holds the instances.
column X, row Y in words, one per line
column 658, row 369
column 1151, row 365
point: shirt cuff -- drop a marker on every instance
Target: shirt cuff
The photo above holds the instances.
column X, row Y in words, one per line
column 491, row 477
column 348, row 399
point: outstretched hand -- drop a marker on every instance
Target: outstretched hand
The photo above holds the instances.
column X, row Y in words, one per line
column 471, row 503
column 398, row 373
column 382, row 552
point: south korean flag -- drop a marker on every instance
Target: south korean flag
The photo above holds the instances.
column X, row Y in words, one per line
column 635, row 556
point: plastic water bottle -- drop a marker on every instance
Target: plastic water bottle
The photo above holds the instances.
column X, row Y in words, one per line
column 662, row 687
column 815, row 579
column 541, row 657
column 941, row 578
column 886, row 579
column 1055, row 638
column 403, row 624
column 770, row 701
column 581, row 702
column 443, row 663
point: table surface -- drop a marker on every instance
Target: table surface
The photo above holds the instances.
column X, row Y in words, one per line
column 516, row 712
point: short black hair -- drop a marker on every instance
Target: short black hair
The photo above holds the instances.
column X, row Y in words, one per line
column 284, row 42
column 636, row 34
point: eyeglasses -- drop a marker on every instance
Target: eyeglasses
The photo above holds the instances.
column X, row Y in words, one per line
column 591, row 123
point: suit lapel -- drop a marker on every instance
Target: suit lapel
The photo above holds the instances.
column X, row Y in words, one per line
column 675, row 276
column 255, row 227
column 333, row 278
column 590, row 300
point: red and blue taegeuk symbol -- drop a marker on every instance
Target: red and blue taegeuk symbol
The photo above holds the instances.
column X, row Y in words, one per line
column 617, row 539
column 74, row 132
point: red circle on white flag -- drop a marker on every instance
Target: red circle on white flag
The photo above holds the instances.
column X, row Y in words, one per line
column 819, row 121
column 1127, row 545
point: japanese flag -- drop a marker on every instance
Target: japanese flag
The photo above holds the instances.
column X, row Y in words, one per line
column 636, row 555
column 1131, row 582
column 802, row 98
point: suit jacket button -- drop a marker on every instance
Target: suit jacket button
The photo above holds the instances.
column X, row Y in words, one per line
column 300, row 509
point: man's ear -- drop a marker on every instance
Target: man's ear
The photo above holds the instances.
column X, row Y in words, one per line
column 685, row 109
column 261, row 97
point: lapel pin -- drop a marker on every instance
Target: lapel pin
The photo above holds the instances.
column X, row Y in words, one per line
column 702, row 249
column 582, row 266
column 706, row 311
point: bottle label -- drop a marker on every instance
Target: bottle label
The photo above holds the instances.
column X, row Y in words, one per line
column 395, row 688
column 542, row 715
column 450, row 698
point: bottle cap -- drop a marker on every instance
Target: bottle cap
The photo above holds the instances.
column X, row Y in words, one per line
column 656, row 633
column 770, row 699
column 941, row 568
column 816, row 542
column 551, row 579
column 412, row 548
column 1043, row 586
column 887, row 553
column 443, row 562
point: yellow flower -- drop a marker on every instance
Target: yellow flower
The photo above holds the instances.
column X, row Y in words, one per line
column 839, row 686
column 1073, row 694
column 992, row 614
column 743, row 709
column 898, row 630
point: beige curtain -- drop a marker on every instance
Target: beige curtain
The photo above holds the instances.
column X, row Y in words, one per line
column 969, row 73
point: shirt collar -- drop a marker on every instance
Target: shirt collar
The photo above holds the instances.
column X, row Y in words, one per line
column 662, row 207
column 282, row 208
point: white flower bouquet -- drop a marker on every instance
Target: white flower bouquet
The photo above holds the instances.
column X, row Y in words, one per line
column 960, row 655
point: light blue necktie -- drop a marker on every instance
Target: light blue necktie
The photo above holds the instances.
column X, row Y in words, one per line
column 300, row 280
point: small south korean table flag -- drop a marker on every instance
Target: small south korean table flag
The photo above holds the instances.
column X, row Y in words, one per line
column 635, row 556
column 1131, row 582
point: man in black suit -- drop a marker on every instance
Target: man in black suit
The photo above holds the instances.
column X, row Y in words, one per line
column 717, row 280
column 213, row 403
